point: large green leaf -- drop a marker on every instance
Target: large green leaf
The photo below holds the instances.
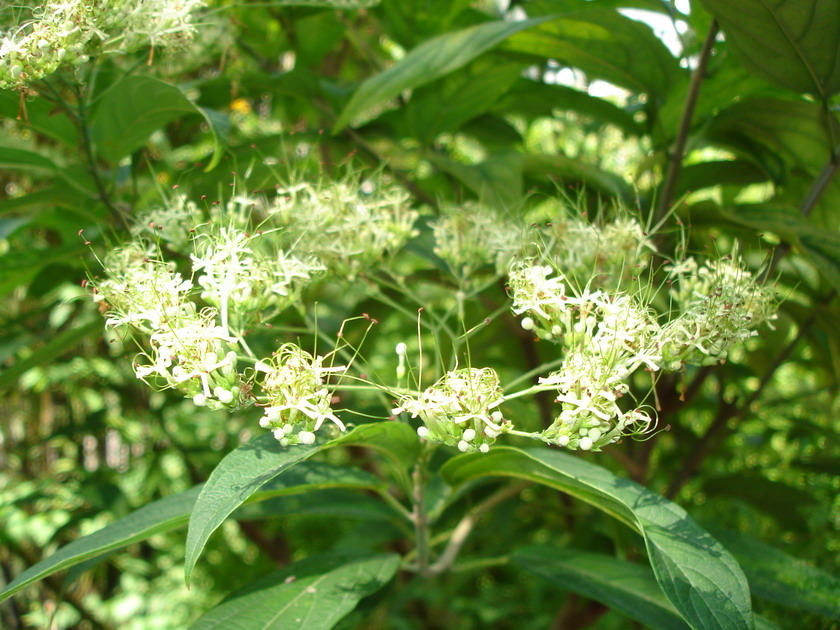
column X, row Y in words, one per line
column 768, row 128
column 12, row 158
column 605, row 45
column 247, row 469
column 566, row 168
column 624, row 586
column 173, row 512
column 135, row 107
column 698, row 576
column 435, row 109
column 432, row 59
column 313, row 594
column 793, row 43
column 782, row 578
column 19, row 267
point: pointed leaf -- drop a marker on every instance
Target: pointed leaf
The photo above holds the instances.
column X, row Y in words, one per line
column 792, row 43
column 432, row 59
column 160, row 516
column 699, row 577
column 313, row 594
column 247, row 469
column 605, row 45
column 135, row 107
column 173, row 512
column 624, row 586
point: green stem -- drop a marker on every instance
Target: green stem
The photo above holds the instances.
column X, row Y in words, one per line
column 419, row 516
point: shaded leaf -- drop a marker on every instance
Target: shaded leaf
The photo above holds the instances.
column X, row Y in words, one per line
column 135, row 107
column 605, row 45
column 313, row 594
column 432, row 59
column 496, row 180
column 41, row 116
column 779, row 577
column 702, row 581
column 533, row 99
column 624, row 586
column 792, row 43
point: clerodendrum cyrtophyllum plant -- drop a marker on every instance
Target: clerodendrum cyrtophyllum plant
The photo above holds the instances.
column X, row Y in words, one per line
column 206, row 296
column 254, row 306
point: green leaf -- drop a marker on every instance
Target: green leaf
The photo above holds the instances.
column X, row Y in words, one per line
column 135, row 107
column 776, row 499
column 698, row 576
column 562, row 167
column 719, row 173
column 173, row 512
column 605, row 45
column 792, row 43
column 20, row 267
column 338, row 5
column 782, row 578
column 540, row 99
column 436, row 108
column 768, row 128
column 22, row 160
column 432, row 59
column 160, row 516
column 247, row 469
column 335, row 503
column 624, row 586
column 313, row 594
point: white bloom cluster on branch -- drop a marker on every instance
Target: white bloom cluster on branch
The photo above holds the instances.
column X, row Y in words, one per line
column 298, row 399
column 350, row 227
column 67, row 31
column 460, row 409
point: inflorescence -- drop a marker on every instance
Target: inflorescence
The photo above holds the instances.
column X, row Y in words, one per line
column 255, row 259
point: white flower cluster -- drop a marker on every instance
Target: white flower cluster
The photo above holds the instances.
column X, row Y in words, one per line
column 607, row 336
column 298, row 399
column 590, row 418
column 460, row 409
column 64, row 32
column 349, row 227
column 189, row 352
column 469, row 236
column 235, row 277
column 718, row 305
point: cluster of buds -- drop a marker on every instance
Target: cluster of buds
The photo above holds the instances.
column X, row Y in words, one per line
column 469, row 237
column 460, row 409
column 350, row 227
column 63, row 33
column 719, row 304
column 298, row 400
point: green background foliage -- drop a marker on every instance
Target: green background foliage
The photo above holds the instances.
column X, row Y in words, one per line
column 727, row 518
